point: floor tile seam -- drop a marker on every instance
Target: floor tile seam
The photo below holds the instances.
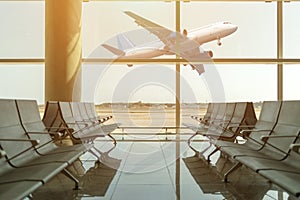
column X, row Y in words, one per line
column 168, row 170
column 121, row 172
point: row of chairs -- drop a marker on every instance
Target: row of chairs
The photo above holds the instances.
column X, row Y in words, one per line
column 223, row 121
column 272, row 146
column 29, row 154
column 77, row 120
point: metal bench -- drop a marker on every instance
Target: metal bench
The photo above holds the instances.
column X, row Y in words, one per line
column 264, row 126
column 226, row 122
column 24, row 168
column 278, row 158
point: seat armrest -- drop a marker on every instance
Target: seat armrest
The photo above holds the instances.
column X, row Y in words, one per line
column 230, row 127
column 79, row 123
column 56, row 127
column 266, row 137
column 2, row 153
column 33, row 142
column 55, row 134
column 82, row 122
column 255, row 131
column 295, row 147
column 241, row 126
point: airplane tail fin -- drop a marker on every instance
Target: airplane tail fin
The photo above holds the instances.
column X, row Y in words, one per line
column 114, row 50
column 124, row 42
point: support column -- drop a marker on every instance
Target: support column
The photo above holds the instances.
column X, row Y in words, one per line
column 178, row 99
column 63, row 50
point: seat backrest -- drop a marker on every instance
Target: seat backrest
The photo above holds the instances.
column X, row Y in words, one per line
column 66, row 112
column 32, row 123
column 50, row 114
column 208, row 114
column 219, row 115
column 288, row 125
column 228, row 114
column 250, row 116
column 18, row 152
column 67, row 116
column 83, row 112
column 267, row 119
column 230, row 108
column 91, row 110
column 82, row 123
column 243, row 115
column 75, row 111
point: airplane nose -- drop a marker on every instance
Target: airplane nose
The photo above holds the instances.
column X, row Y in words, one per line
column 234, row 28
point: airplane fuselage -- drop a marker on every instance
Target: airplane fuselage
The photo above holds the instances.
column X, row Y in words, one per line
column 212, row 32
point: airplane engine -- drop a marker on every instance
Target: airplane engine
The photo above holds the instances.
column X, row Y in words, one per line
column 184, row 32
column 129, row 65
column 210, row 53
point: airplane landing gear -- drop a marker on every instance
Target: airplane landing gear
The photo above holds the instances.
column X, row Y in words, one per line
column 219, row 42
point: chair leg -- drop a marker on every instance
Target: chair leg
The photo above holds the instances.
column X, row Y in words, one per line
column 69, row 175
column 92, row 152
column 214, row 151
column 234, row 167
column 115, row 141
column 189, row 140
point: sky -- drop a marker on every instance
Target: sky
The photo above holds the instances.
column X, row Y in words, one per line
column 22, row 36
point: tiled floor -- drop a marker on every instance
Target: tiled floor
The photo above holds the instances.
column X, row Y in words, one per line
column 150, row 170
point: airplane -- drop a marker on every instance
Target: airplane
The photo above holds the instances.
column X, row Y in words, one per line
column 186, row 45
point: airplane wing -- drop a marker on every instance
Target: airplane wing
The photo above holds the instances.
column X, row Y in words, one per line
column 161, row 32
column 198, row 67
column 195, row 55
column 189, row 50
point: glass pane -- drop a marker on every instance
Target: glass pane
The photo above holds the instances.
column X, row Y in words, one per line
column 22, row 32
column 291, row 32
column 103, row 20
column 249, row 82
column 291, row 74
column 22, row 82
column 256, row 21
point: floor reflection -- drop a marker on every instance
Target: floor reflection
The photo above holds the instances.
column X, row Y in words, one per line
column 119, row 175
column 98, row 178
column 244, row 184
column 95, row 177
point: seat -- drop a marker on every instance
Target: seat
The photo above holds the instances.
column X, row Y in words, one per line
column 83, row 131
column 35, row 129
column 286, row 173
column 23, row 162
column 276, row 146
column 226, row 124
column 24, row 153
column 16, row 187
column 18, row 190
column 264, row 126
column 205, row 120
column 242, row 117
column 92, row 114
column 285, row 133
column 215, row 118
column 218, row 126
